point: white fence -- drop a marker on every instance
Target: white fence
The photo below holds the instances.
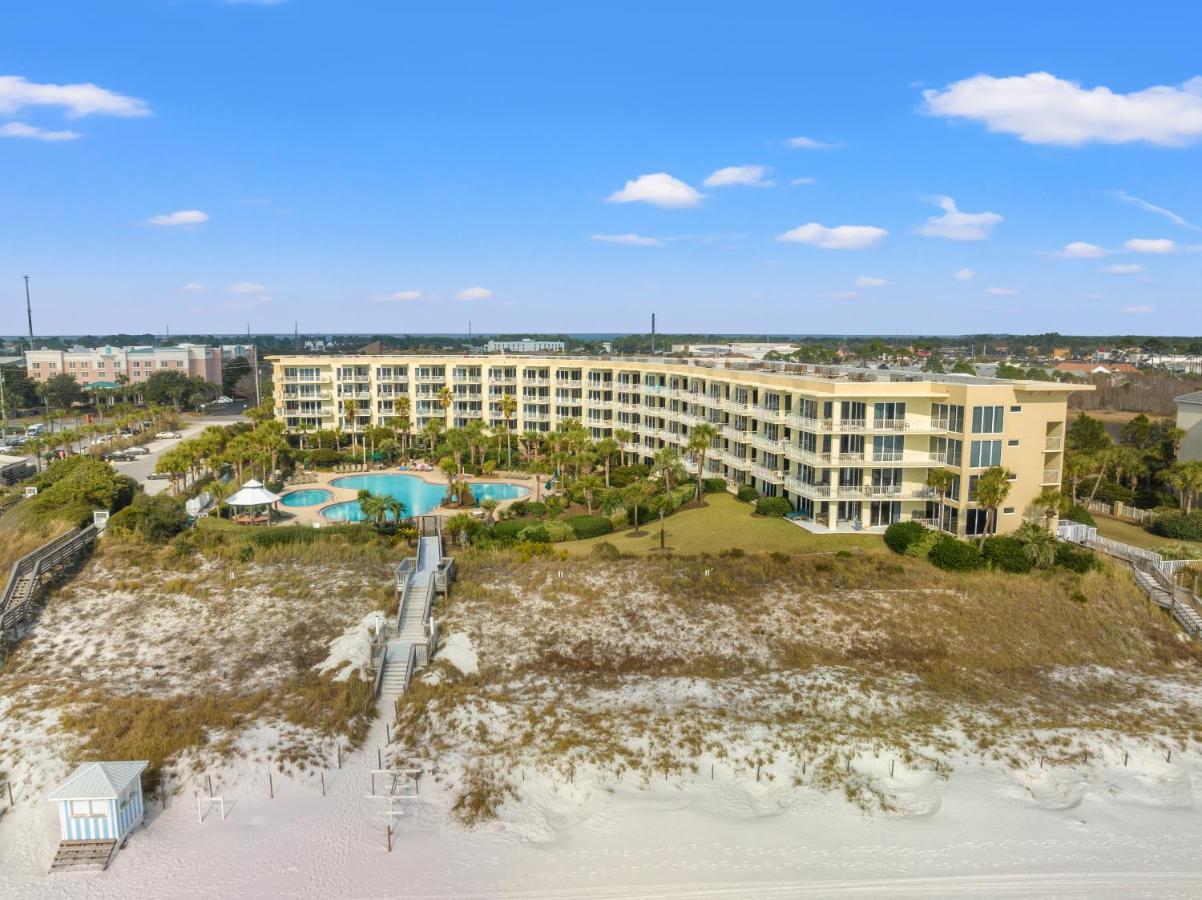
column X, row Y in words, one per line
column 1121, row 511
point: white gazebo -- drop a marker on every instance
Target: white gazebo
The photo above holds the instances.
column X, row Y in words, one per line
column 253, row 496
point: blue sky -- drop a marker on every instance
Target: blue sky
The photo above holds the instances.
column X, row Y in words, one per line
column 402, row 167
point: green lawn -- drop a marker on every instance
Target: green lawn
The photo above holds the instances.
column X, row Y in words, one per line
column 1136, row 535
column 723, row 522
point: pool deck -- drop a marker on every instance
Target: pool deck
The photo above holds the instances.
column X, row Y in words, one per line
column 309, row 515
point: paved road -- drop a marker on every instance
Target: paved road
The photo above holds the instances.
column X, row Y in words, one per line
column 144, row 465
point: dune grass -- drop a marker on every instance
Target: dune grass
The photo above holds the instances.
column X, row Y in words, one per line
column 723, row 523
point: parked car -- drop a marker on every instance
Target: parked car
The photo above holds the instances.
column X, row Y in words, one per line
column 158, row 476
column 117, row 456
column 167, row 435
column 137, row 451
column 223, row 400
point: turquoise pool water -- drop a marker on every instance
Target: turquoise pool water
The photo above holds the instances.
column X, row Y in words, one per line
column 310, row 497
column 419, row 496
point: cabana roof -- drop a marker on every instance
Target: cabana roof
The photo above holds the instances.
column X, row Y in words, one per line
column 253, row 494
column 99, row 780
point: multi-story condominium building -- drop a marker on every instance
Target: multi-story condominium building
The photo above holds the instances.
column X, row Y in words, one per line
column 1189, row 420
column 850, row 448
column 104, row 365
column 525, row 345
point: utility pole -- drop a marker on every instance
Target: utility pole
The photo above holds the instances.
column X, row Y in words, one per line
column 29, row 312
column 653, row 334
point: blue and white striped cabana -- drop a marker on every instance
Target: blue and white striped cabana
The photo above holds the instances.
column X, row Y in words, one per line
column 100, row 801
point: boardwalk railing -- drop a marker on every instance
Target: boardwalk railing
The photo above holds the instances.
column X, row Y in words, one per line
column 30, row 572
column 1155, row 575
column 1121, row 511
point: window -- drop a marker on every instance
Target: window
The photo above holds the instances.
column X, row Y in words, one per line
column 86, row 809
column 987, row 419
column 1008, row 510
column 950, row 450
column 984, row 454
column 948, row 416
column 1016, row 409
column 1013, row 442
column 976, row 521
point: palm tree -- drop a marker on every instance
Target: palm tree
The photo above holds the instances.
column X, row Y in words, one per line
column 509, row 406
column 350, row 410
column 638, row 494
column 449, row 467
column 1127, row 461
column 607, row 449
column 668, row 467
column 992, row 489
column 941, row 481
column 445, row 398
column 404, row 410
column 489, row 505
column 1103, row 459
column 701, row 439
column 1186, row 477
column 1038, row 544
column 624, row 436
column 1048, row 502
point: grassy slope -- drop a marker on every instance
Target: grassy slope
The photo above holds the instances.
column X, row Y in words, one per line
column 722, row 523
column 1136, row 535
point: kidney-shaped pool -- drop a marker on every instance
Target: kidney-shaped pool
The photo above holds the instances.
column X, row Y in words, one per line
column 418, row 495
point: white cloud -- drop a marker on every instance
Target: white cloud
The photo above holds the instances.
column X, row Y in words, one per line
column 1150, row 245
column 406, row 295
column 965, row 275
column 1043, row 109
column 247, row 287
column 1080, row 250
column 958, row 226
column 1001, row 291
column 1124, row 269
column 627, row 240
column 193, row 287
column 809, row 143
column 748, row 176
column 799, row 182
column 658, row 189
column 841, row 237
column 33, row 132
column 180, row 217
column 869, row 281
column 76, row 100
column 474, row 293
column 1137, row 310
column 1153, row 208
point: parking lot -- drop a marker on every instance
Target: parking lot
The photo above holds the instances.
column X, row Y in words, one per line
column 141, row 467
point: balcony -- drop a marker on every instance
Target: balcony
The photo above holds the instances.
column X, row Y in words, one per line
column 431, row 379
column 1053, row 444
column 536, row 382
column 305, row 379
column 734, row 406
column 316, row 395
column 887, row 425
column 764, row 443
column 738, row 462
column 768, row 414
column 468, row 379
column 354, row 395
column 1051, row 476
column 805, row 423
column 772, row 476
column 536, row 416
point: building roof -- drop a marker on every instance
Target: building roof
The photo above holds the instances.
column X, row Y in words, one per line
column 252, row 494
column 1092, row 367
column 101, row 385
column 99, row 781
column 1194, row 397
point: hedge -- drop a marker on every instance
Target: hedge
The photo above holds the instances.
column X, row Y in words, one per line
column 590, row 526
column 1075, row 559
column 713, row 485
column 900, row 535
column 157, row 518
column 1006, row 553
column 955, row 556
column 747, row 493
column 535, row 534
column 509, row 529
column 1179, row 526
column 777, row 507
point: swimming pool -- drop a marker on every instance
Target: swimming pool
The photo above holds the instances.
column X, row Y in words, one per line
column 311, row 497
column 418, row 495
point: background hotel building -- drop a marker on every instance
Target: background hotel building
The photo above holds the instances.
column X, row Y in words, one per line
column 843, row 445
column 89, row 365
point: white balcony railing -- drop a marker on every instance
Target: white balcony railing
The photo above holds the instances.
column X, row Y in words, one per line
column 1051, row 476
column 1053, row 444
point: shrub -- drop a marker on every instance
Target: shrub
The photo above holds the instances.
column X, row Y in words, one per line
column 624, row 476
column 713, row 485
column 535, row 534
column 747, row 493
column 954, row 555
column 901, row 535
column 1179, row 526
column 606, row 550
column 682, row 494
column 557, row 532
column 536, row 508
column 776, row 507
column 1112, row 492
column 1006, row 553
column 1149, row 499
column 509, row 529
column 553, row 506
column 590, row 526
column 921, row 548
column 324, row 458
column 1078, row 513
column 1075, row 559
column 156, row 519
